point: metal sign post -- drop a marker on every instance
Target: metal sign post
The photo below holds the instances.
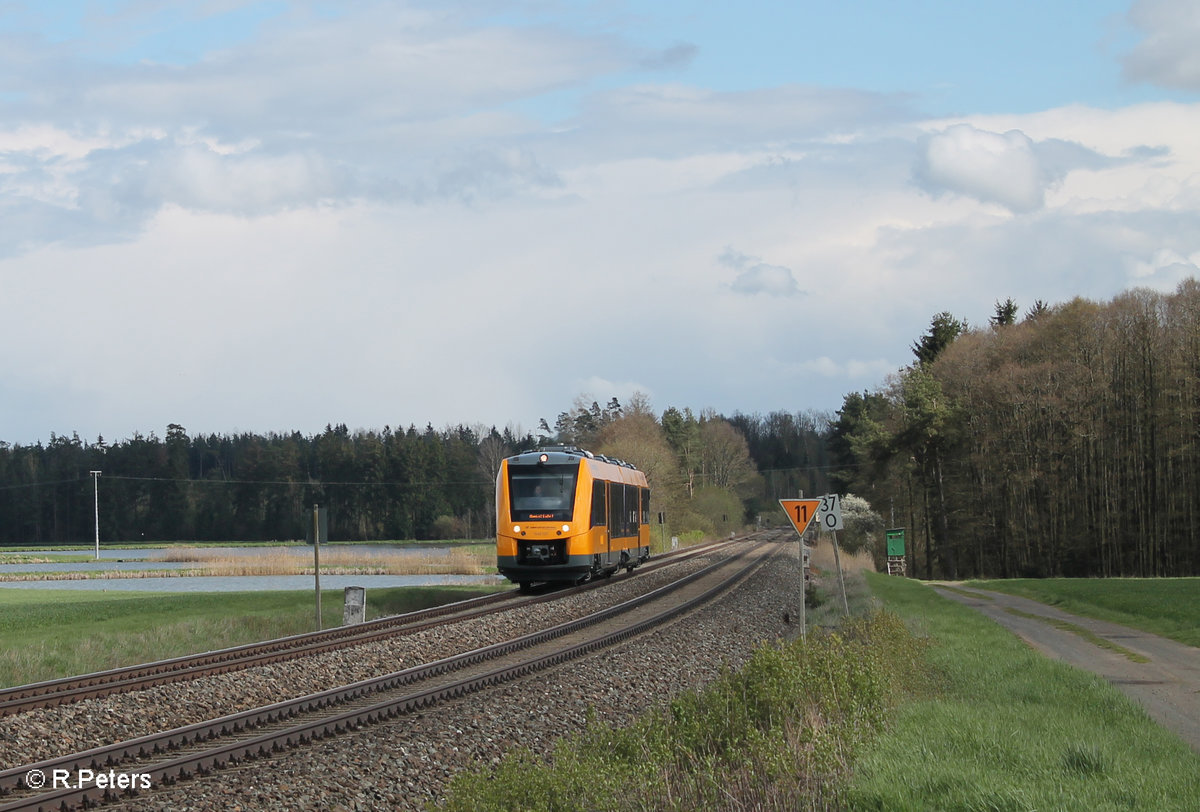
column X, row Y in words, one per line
column 831, row 520
column 800, row 513
column 803, row 591
column 837, row 560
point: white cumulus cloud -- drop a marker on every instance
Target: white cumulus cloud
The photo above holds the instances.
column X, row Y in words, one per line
column 991, row 167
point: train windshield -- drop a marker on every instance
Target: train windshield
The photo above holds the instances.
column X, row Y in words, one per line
column 545, row 492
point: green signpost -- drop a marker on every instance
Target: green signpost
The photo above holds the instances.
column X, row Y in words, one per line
column 897, row 562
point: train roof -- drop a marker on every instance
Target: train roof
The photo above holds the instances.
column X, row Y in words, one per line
column 563, row 454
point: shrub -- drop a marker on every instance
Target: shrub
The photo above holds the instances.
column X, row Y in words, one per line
column 779, row 733
column 449, row 527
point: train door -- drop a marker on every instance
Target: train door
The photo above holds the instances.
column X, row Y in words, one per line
column 616, row 507
column 622, row 499
column 600, row 515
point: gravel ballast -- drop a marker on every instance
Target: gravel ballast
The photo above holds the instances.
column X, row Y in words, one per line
column 406, row 763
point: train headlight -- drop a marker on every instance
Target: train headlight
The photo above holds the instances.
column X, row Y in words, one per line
column 516, row 528
column 566, row 528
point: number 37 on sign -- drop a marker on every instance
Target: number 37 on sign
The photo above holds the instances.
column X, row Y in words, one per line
column 830, row 512
column 827, row 510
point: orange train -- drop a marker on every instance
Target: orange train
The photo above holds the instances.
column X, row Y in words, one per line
column 565, row 515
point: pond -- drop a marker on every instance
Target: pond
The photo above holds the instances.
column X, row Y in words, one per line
column 131, row 560
column 254, row 583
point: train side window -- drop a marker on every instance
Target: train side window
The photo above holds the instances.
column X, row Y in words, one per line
column 599, row 505
column 645, row 505
column 629, row 514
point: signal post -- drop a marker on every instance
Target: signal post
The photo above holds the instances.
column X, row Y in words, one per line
column 800, row 513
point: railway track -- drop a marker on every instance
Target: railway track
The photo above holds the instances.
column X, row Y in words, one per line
column 166, row 757
column 50, row 693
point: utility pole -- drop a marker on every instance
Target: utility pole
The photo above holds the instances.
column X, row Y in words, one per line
column 96, row 502
column 317, row 558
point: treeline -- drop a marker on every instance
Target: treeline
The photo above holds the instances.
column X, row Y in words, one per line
column 1066, row 444
column 389, row 484
column 397, row 484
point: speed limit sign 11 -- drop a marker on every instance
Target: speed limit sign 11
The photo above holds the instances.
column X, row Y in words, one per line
column 829, row 514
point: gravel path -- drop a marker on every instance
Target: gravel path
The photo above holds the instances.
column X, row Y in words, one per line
column 1167, row 685
column 407, row 763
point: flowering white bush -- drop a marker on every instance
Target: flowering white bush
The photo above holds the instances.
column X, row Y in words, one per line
column 863, row 526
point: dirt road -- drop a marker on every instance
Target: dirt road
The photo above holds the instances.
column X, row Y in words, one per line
column 1168, row 686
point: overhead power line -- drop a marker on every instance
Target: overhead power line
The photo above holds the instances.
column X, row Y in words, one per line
column 303, row 484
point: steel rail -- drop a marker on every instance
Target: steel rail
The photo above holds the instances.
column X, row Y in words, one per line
column 102, row 683
column 109, row 756
column 50, row 693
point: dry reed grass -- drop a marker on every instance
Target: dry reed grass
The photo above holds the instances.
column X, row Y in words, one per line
column 299, row 561
column 822, row 557
column 292, row 561
column 98, row 575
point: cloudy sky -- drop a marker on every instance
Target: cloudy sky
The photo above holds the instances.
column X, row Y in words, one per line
column 270, row 216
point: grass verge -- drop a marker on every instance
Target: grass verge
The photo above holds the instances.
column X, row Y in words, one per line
column 869, row 716
column 54, row 633
column 778, row 734
column 1008, row 729
column 1163, row 606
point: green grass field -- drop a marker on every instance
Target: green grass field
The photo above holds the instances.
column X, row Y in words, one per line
column 1165, row 606
column 54, row 633
column 1003, row 728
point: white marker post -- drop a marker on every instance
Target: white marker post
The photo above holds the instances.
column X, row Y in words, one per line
column 317, row 559
column 96, row 502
